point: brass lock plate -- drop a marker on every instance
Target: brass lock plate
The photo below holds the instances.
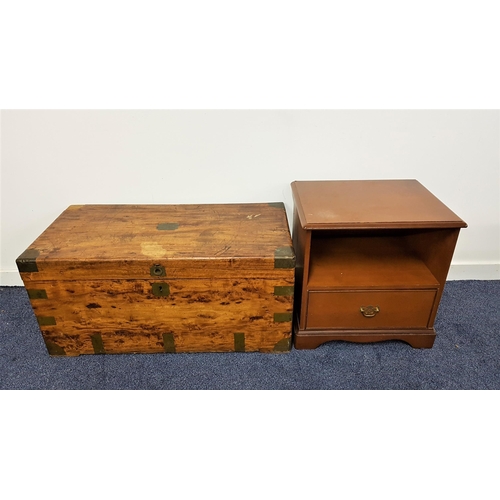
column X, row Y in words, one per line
column 160, row 289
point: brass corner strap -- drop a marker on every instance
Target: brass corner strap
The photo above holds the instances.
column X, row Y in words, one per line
column 26, row 262
column 284, row 258
column 283, row 291
column 282, row 317
column 53, row 349
column 283, row 345
column 168, row 342
column 97, row 343
column 239, row 342
column 46, row 320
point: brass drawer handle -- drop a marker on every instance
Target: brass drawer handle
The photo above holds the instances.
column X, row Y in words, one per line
column 369, row 311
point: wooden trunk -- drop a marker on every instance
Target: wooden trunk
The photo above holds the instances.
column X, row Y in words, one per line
column 163, row 278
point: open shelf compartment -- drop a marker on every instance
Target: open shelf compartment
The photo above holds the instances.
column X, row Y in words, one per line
column 382, row 259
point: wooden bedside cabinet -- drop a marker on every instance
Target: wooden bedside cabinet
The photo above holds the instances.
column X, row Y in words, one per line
column 372, row 260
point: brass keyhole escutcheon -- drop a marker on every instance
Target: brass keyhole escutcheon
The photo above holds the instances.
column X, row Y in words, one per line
column 160, row 289
column 369, row 311
column 157, row 270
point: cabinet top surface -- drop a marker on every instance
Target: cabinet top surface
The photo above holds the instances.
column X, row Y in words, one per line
column 370, row 204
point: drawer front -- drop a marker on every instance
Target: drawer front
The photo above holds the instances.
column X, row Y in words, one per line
column 370, row 309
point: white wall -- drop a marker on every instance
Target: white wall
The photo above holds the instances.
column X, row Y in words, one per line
column 51, row 159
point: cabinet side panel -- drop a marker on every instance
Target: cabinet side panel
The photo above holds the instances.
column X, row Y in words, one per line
column 302, row 246
column 435, row 248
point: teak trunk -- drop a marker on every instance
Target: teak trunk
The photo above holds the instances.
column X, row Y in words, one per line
column 163, row 278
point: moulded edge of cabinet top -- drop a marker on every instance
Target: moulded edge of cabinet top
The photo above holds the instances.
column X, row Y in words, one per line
column 366, row 204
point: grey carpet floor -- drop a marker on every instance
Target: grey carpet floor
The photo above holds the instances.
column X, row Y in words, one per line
column 465, row 356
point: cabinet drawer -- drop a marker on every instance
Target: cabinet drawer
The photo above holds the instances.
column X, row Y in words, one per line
column 369, row 309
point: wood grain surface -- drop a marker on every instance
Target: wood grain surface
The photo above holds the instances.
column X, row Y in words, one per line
column 396, row 309
column 366, row 261
column 418, row 338
column 370, row 203
column 386, row 245
column 189, row 241
column 201, row 315
column 163, row 278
